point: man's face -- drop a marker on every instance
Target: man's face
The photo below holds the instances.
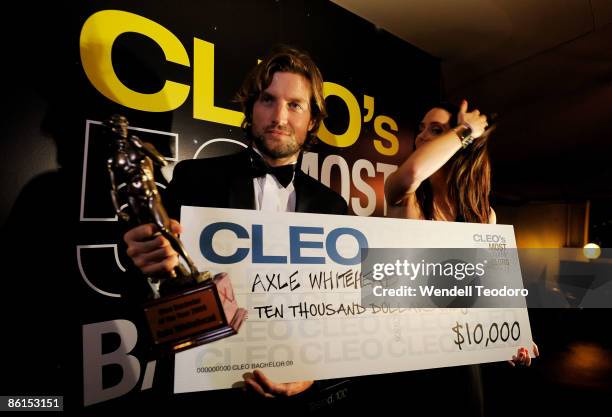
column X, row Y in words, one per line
column 282, row 118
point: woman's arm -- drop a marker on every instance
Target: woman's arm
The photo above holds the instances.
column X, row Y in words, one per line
column 421, row 164
column 492, row 216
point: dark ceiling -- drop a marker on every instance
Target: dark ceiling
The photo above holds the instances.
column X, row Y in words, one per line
column 544, row 66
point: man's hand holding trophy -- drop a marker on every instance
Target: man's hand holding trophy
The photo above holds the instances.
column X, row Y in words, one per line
column 191, row 307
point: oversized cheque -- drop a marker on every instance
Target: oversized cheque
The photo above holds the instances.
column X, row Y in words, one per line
column 299, row 277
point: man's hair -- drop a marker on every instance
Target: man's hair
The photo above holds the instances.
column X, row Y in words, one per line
column 283, row 58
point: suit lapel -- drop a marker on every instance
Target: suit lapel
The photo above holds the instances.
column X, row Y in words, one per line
column 303, row 194
column 241, row 193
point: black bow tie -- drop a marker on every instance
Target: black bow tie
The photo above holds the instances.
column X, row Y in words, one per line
column 284, row 174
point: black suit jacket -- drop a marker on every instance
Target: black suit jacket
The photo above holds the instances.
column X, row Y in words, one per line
column 227, row 182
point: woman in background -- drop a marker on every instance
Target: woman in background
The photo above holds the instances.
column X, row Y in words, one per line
column 448, row 178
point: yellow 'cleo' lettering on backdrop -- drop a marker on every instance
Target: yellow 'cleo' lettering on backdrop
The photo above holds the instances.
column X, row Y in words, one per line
column 96, row 42
column 393, row 146
column 204, row 87
column 100, row 31
column 353, row 130
column 368, row 105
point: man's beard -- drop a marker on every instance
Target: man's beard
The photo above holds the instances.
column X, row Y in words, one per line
column 288, row 148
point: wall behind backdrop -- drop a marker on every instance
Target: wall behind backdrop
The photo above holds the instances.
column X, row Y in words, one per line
column 173, row 71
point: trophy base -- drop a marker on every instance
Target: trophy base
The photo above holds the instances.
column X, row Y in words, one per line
column 194, row 316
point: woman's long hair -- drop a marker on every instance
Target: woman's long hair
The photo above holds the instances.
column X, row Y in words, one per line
column 469, row 180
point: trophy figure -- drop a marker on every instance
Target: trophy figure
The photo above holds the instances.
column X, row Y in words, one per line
column 191, row 307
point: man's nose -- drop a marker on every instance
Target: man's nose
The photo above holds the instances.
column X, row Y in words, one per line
column 280, row 113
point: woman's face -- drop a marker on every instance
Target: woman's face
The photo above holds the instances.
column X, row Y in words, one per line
column 435, row 123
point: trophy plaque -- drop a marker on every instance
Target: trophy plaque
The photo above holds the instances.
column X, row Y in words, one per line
column 189, row 307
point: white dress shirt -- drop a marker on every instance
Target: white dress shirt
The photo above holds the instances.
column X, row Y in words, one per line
column 270, row 195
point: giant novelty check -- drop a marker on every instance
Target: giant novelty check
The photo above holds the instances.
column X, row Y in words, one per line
column 299, row 277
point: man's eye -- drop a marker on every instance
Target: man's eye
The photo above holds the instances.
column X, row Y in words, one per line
column 296, row 106
column 265, row 99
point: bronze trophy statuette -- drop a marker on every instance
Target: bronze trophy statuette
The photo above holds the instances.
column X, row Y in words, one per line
column 191, row 307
